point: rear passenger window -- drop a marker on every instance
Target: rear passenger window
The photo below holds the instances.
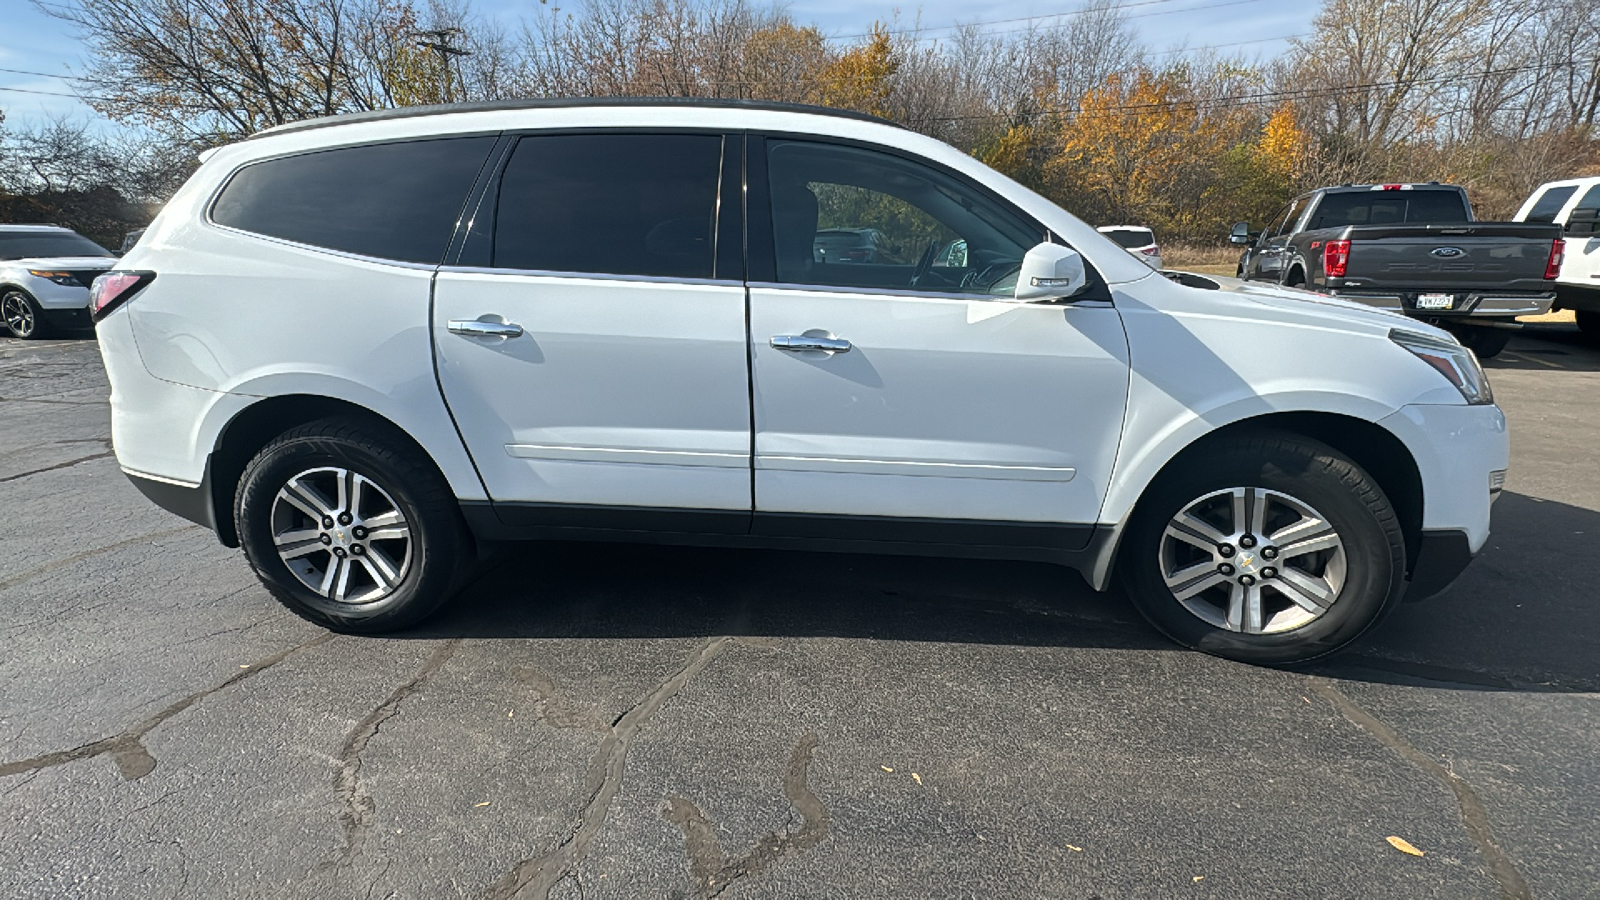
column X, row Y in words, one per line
column 392, row 201
column 1549, row 204
column 613, row 204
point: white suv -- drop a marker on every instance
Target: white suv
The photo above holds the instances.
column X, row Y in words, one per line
column 359, row 346
column 1573, row 204
column 45, row 273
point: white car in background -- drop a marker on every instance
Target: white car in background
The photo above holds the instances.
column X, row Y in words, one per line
column 1139, row 241
column 45, row 274
column 1573, row 204
column 359, row 347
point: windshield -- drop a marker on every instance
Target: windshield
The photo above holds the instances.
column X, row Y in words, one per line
column 40, row 244
column 1389, row 208
column 1129, row 238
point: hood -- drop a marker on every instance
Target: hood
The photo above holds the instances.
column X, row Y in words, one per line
column 1324, row 306
column 65, row 263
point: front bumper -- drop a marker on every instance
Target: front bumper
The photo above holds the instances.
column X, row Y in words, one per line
column 1464, row 305
column 66, row 318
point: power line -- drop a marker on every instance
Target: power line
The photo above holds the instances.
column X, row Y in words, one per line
column 1081, row 11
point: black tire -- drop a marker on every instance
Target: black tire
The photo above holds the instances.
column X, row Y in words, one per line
column 437, row 551
column 1346, row 497
column 1485, row 342
column 1589, row 322
column 1297, row 279
column 21, row 315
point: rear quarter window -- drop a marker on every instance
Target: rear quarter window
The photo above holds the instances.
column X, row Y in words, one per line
column 396, row 201
column 1548, row 206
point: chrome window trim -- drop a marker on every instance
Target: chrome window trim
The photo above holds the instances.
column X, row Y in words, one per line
column 590, row 276
column 341, row 254
column 903, row 294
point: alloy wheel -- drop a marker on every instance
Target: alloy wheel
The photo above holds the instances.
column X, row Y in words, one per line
column 341, row 535
column 18, row 314
column 1253, row 561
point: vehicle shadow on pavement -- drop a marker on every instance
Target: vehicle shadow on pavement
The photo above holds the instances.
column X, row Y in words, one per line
column 1559, row 348
column 1524, row 616
column 639, row 591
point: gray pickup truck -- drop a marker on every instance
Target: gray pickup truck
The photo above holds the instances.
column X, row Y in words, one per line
column 1411, row 248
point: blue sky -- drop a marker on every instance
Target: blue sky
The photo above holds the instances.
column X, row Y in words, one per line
column 31, row 41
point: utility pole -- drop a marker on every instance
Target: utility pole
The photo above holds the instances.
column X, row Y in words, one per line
column 438, row 40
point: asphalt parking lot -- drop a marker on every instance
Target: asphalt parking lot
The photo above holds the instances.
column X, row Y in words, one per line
column 629, row 722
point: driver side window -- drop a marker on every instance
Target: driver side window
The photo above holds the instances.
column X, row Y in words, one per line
column 849, row 217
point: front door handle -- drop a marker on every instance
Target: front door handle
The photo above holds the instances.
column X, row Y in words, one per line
column 798, row 342
column 480, row 328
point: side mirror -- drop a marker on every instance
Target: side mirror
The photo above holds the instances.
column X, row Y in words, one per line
column 1050, row 272
column 1584, row 222
column 1241, row 234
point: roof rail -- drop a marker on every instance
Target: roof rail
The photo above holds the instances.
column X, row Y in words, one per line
column 407, row 112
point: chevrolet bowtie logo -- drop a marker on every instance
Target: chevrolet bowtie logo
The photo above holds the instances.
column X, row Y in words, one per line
column 1246, row 559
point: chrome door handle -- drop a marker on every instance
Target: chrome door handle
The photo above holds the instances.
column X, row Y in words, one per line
column 798, row 342
column 479, row 328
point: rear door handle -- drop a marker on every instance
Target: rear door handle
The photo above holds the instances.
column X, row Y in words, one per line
column 480, row 328
column 798, row 342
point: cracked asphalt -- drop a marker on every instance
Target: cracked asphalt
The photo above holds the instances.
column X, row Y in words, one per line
column 637, row 722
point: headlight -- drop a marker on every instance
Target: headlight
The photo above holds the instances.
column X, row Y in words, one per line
column 64, row 278
column 1455, row 362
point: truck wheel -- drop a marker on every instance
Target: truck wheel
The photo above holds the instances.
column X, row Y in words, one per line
column 1589, row 322
column 1268, row 549
column 1485, row 342
column 351, row 528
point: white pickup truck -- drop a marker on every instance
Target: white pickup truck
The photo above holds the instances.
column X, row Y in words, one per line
column 1573, row 204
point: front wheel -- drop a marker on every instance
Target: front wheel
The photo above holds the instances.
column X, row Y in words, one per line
column 350, row 527
column 1270, row 549
column 21, row 315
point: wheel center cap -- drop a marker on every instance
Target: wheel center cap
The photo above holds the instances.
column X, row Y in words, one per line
column 1247, row 563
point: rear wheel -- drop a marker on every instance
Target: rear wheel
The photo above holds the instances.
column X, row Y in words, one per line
column 1589, row 322
column 350, row 527
column 1485, row 342
column 1269, row 549
column 21, row 315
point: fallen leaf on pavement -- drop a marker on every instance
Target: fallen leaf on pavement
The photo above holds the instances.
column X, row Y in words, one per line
column 886, row 768
column 1074, row 849
column 1199, row 878
column 1403, row 845
column 917, row 778
column 484, row 803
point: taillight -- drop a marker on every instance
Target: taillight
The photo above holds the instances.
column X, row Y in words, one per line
column 1335, row 258
column 1558, row 252
column 1393, row 187
column 1152, row 250
column 113, row 289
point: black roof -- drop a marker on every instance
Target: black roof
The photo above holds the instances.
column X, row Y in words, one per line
column 407, row 112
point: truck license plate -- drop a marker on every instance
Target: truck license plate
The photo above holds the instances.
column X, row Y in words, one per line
column 1435, row 301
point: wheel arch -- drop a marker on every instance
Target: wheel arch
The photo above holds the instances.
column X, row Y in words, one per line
column 253, row 427
column 1378, row 451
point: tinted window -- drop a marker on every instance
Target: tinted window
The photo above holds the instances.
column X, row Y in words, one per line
column 850, row 217
column 617, row 204
column 1130, row 238
column 393, row 201
column 1293, row 216
column 1549, row 204
column 38, row 244
column 1590, row 199
column 1388, row 208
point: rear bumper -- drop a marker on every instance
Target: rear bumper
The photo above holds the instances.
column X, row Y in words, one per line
column 1441, row 558
column 1467, row 304
column 187, row 501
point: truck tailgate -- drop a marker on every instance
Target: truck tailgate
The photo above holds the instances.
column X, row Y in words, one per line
column 1481, row 256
